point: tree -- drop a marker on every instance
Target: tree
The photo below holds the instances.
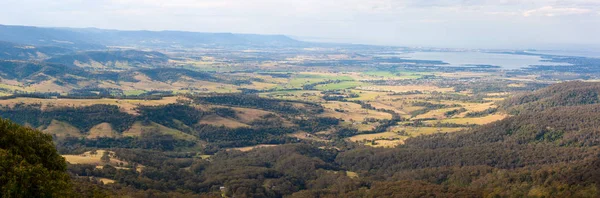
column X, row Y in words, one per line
column 105, row 158
column 30, row 166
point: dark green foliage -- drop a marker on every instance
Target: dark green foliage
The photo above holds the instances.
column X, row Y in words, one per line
column 317, row 124
column 483, row 113
column 83, row 118
column 151, row 141
column 29, row 164
column 174, row 74
column 165, row 115
column 454, row 112
column 225, row 112
column 243, row 136
column 563, row 94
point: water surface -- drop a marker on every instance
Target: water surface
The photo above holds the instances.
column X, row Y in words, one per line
column 505, row 61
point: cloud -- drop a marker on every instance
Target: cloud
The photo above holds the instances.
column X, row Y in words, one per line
column 551, row 11
column 415, row 22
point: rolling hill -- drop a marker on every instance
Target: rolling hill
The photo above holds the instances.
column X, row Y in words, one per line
column 563, row 94
column 113, row 59
column 13, row 51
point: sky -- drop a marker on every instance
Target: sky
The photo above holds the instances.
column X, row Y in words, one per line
column 545, row 24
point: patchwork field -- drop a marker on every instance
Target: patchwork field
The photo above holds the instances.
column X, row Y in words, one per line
column 138, row 128
column 94, row 159
column 398, row 134
column 352, row 112
column 478, row 121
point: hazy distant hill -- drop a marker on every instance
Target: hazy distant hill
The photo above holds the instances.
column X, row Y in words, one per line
column 13, row 51
column 21, row 70
column 92, row 38
column 112, row 59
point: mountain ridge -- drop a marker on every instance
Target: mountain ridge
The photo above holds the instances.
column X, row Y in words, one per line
column 94, row 38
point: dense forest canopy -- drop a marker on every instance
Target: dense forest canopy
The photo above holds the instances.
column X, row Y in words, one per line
column 30, row 166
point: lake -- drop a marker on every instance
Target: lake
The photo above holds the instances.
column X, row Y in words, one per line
column 506, row 61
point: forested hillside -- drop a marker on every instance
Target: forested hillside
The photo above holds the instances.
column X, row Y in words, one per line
column 563, row 94
column 552, row 152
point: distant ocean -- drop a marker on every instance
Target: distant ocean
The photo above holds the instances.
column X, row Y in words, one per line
column 582, row 53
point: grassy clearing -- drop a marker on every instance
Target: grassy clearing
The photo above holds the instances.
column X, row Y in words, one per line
column 306, row 136
column 302, row 95
column 249, row 148
column 260, row 85
column 102, row 130
column 105, row 180
column 247, row 115
column 137, row 129
column 341, row 85
column 133, row 92
column 61, row 130
column 297, row 81
column 351, row 174
column 384, row 135
column 478, row 121
column 367, row 95
column 398, row 135
column 221, row 121
column 394, row 75
column 352, row 112
column 437, row 114
column 406, row 88
column 88, row 158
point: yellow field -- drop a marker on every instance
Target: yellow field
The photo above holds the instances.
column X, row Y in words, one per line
column 247, row 115
column 417, row 131
column 383, row 135
column 307, row 136
column 463, row 74
column 351, row 174
column 438, row 113
column 406, row 88
column 390, row 106
column 47, row 86
column 249, row 148
column 87, row 158
column 221, row 121
column 138, row 128
column 368, row 95
column 61, row 129
column 393, row 138
column 105, row 180
column 102, row 130
column 478, row 121
column 354, row 112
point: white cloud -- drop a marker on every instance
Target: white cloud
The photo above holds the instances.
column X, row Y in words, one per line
column 413, row 22
column 551, row 11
